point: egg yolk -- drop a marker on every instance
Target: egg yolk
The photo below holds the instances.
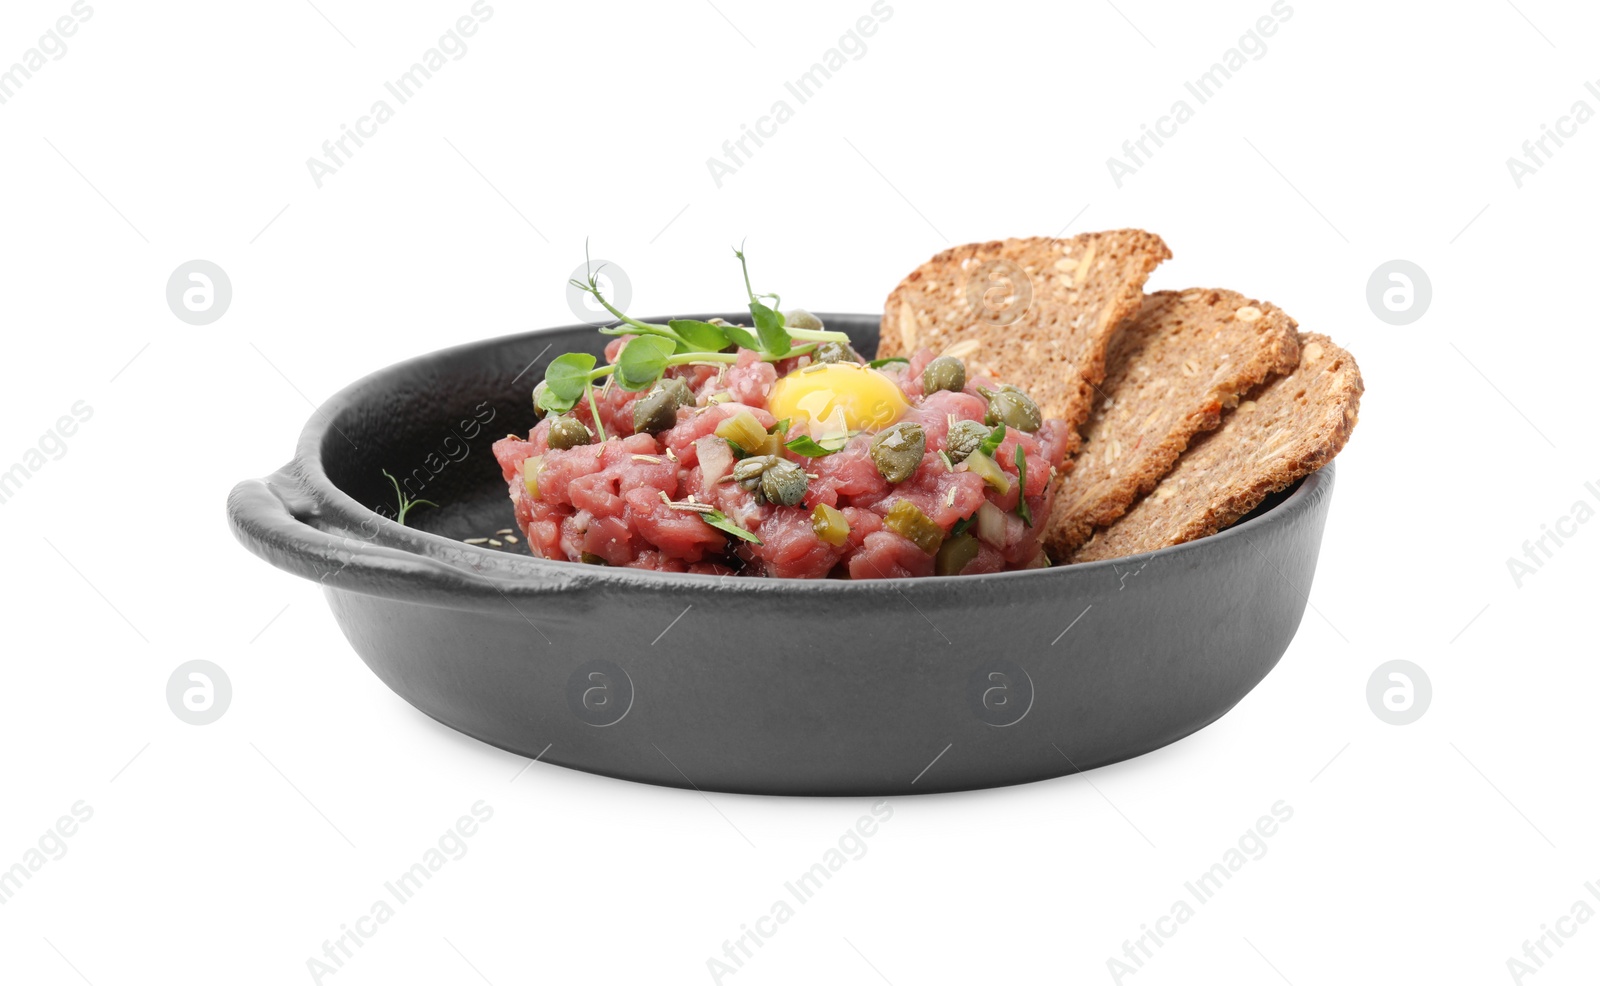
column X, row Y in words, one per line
column 838, row 398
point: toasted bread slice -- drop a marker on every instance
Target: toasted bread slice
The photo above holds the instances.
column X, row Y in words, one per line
column 1038, row 312
column 1170, row 372
column 1291, row 427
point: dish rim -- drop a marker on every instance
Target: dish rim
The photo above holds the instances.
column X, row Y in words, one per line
column 514, row 570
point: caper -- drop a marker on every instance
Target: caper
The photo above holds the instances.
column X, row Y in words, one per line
column 1011, row 407
column 799, row 318
column 944, row 373
column 658, row 410
column 747, row 472
column 567, row 432
column 898, row 451
column 784, row 483
column 834, row 352
column 538, row 410
column 655, row 412
column 779, row 480
column 964, row 439
column 680, row 390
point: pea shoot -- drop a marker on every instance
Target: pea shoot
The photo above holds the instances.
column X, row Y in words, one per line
column 643, row 361
column 655, row 347
column 405, row 503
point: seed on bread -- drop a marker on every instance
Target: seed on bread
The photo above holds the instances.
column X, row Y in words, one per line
column 1289, row 428
column 962, row 349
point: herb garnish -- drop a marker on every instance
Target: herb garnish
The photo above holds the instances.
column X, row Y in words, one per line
column 988, row 445
column 810, row 448
column 594, row 411
column 1022, row 487
column 720, row 521
column 655, row 348
column 405, row 502
column 879, row 363
column 645, row 358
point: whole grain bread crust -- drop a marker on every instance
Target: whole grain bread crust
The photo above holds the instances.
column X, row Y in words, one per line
column 1037, row 312
column 1289, row 428
column 1170, row 373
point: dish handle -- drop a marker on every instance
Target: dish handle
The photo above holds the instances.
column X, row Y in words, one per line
column 277, row 519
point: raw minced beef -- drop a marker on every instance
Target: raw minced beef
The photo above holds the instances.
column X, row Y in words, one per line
column 608, row 502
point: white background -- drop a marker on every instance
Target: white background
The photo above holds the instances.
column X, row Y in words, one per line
column 228, row 853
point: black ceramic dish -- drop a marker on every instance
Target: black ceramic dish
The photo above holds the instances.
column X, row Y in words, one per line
column 759, row 686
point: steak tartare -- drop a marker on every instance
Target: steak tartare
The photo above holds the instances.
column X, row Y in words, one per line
column 778, row 451
column 642, row 500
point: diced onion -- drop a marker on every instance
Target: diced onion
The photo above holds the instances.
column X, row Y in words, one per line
column 991, row 525
column 716, row 458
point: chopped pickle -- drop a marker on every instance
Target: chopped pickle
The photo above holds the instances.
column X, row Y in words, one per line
column 955, row 553
column 912, row 524
column 744, row 431
column 990, row 472
column 830, row 525
column 530, row 474
column 770, row 445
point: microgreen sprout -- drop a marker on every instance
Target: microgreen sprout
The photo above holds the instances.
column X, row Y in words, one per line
column 594, row 410
column 405, row 503
column 656, row 347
